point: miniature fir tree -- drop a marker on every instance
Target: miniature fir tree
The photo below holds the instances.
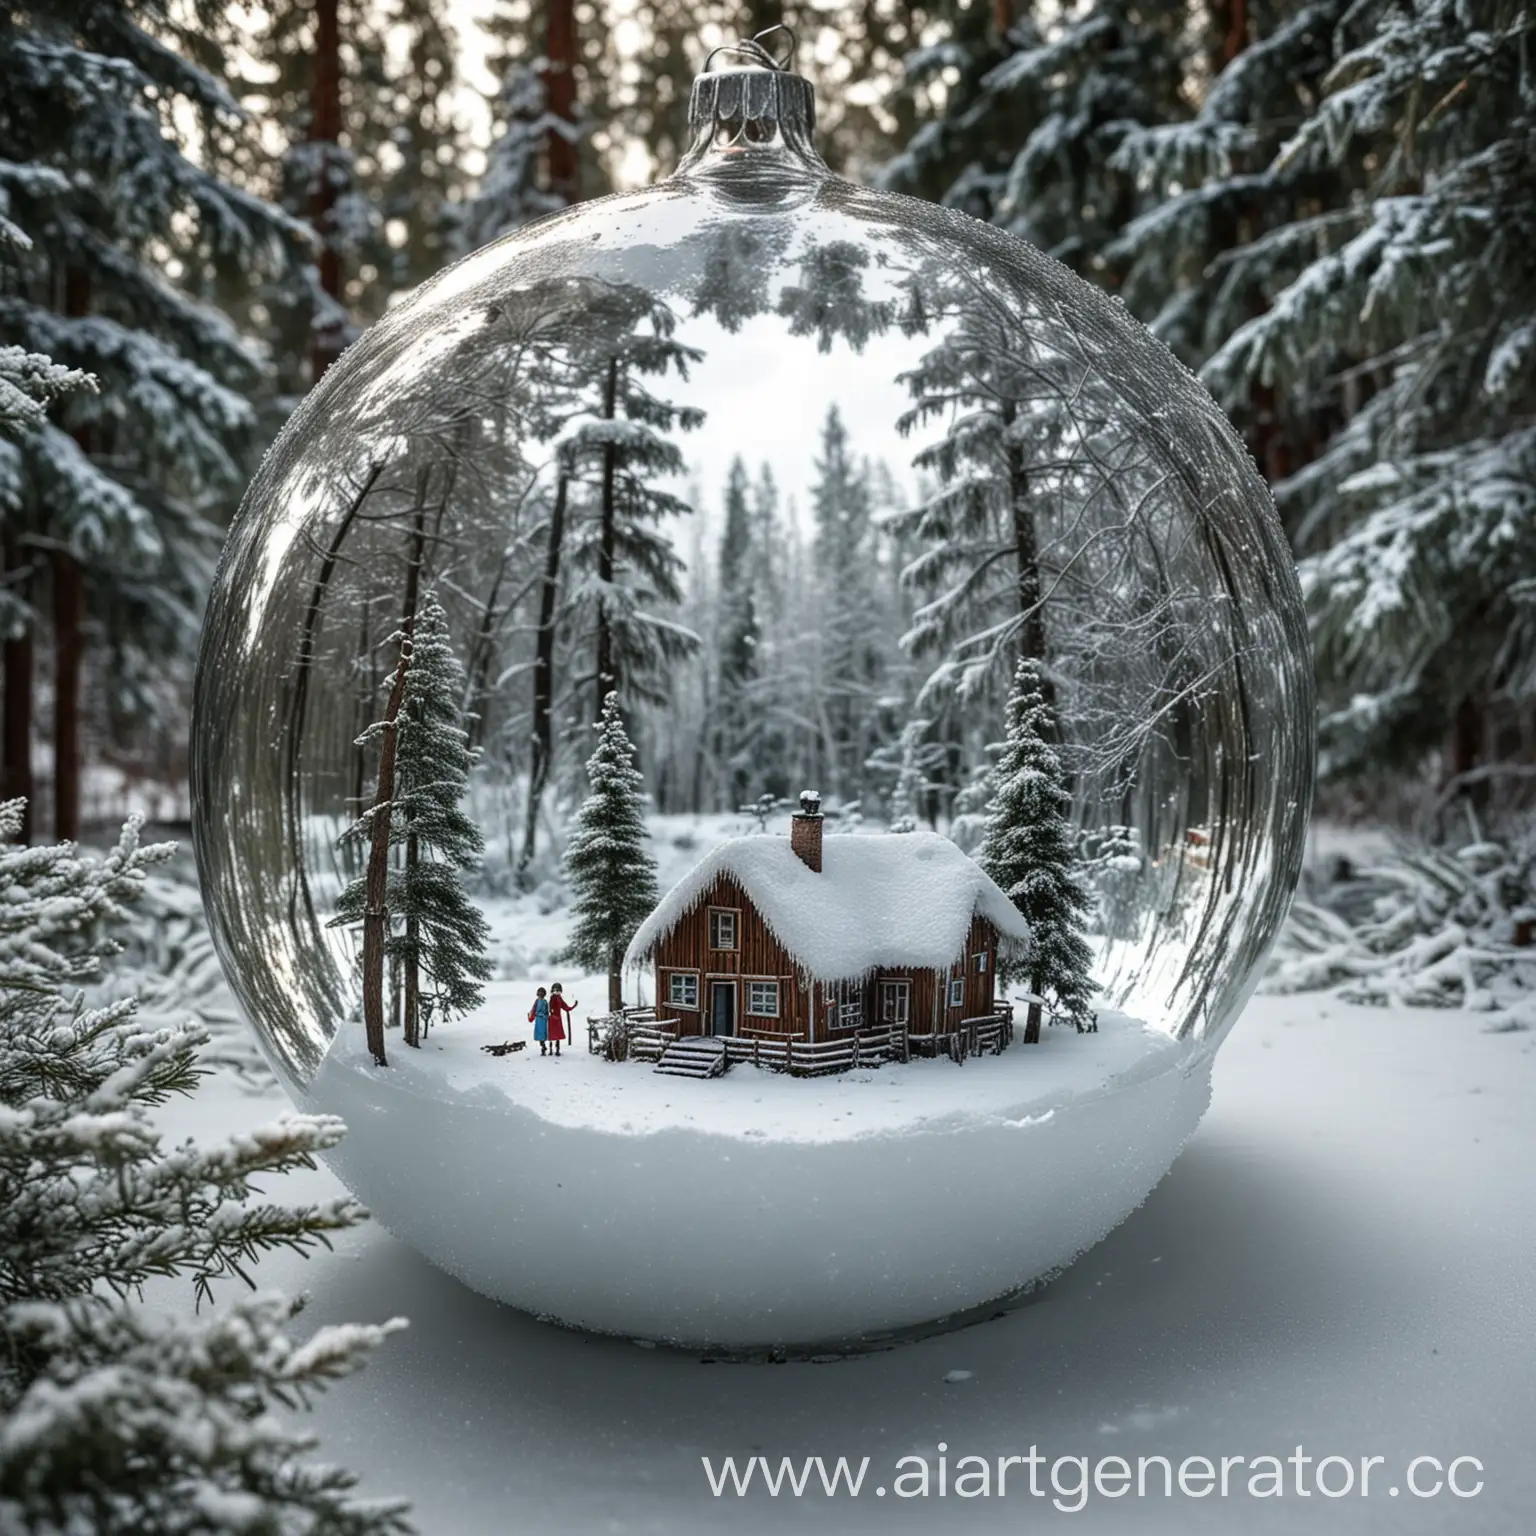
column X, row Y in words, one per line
column 436, row 930
column 613, row 878
column 1028, row 850
column 119, row 1417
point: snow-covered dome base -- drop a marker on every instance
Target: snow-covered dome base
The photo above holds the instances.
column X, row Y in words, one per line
column 759, row 1210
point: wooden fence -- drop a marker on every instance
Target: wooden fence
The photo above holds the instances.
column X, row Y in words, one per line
column 649, row 1035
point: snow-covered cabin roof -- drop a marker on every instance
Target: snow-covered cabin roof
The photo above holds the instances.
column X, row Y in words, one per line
column 881, row 900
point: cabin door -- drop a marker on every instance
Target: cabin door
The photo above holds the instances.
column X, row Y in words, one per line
column 722, row 1007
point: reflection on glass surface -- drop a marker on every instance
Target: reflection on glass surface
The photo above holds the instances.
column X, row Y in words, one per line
column 523, row 426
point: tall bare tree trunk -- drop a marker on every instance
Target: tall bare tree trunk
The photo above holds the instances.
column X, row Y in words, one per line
column 1027, row 558
column 544, row 678
column 563, row 156
column 16, row 752
column 325, row 130
column 607, row 679
column 615, row 980
column 298, row 707
column 376, row 886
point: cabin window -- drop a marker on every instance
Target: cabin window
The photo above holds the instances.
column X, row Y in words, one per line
column 957, row 993
column 683, row 989
column 895, row 1002
column 763, row 999
column 980, row 962
column 722, row 928
column 845, row 1005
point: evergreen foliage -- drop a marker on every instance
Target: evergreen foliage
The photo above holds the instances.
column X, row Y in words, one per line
column 509, row 194
column 737, row 708
column 114, row 1417
column 851, row 621
column 612, row 877
column 102, row 204
column 1407, row 318
column 619, row 441
column 437, row 932
column 1030, row 851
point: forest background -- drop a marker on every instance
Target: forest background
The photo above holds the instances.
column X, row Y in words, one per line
column 1327, row 209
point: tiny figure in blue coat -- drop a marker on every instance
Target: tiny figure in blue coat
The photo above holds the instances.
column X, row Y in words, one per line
column 538, row 1016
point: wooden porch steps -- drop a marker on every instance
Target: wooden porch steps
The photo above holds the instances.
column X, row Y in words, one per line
column 694, row 1056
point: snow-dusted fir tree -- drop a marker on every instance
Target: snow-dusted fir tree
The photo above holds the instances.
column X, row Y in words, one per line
column 437, row 934
column 1411, row 316
column 1030, row 850
column 612, row 877
column 737, row 708
column 116, row 1417
column 622, row 447
column 1202, row 258
column 117, row 494
column 1044, row 98
column 509, row 194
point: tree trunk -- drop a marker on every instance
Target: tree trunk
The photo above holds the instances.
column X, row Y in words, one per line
column 477, row 668
column 543, row 679
column 563, row 156
column 607, row 681
column 412, row 965
column 615, row 980
column 325, row 130
column 309, row 632
column 1229, row 32
column 1027, row 556
column 69, row 632
column 1032, row 1018
column 16, row 754
column 376, row 889
column 69, row 656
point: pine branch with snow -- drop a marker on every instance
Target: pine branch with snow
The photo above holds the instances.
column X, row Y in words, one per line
column 1430, row 927
column 112, row 1418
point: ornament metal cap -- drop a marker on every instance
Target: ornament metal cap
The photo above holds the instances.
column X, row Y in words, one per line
column 763, row 93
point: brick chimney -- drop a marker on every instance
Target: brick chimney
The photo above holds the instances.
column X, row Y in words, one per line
column 805, row 830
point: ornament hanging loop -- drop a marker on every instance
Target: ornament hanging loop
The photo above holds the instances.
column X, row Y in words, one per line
column 752, row 48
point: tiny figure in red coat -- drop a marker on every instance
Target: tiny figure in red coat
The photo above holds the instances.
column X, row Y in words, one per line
column 559, row 1011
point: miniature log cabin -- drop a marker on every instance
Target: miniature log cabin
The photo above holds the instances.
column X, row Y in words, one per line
column 895, row 936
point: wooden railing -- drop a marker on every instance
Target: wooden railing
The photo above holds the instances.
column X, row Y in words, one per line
column 650, row 1035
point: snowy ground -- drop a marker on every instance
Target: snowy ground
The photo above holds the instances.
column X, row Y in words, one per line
column 581, row 1089
column 1341, row 1259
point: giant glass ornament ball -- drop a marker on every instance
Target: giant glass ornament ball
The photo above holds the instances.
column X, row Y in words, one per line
column 1055, row 462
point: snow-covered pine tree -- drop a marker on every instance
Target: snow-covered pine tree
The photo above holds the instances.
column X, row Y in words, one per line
column 1045, row 96
column 115, row 497
column 509, row 194
column 737, row 712
column 620, row 443
column 439, row 930
column 434, row 930
column 1413, row 316
column 852, row 667
column 612, row 877
column 116, row 1417
column 1194, row 264
column 1029, row 849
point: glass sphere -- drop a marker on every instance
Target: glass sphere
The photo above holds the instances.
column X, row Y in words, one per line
column 1071, row 490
